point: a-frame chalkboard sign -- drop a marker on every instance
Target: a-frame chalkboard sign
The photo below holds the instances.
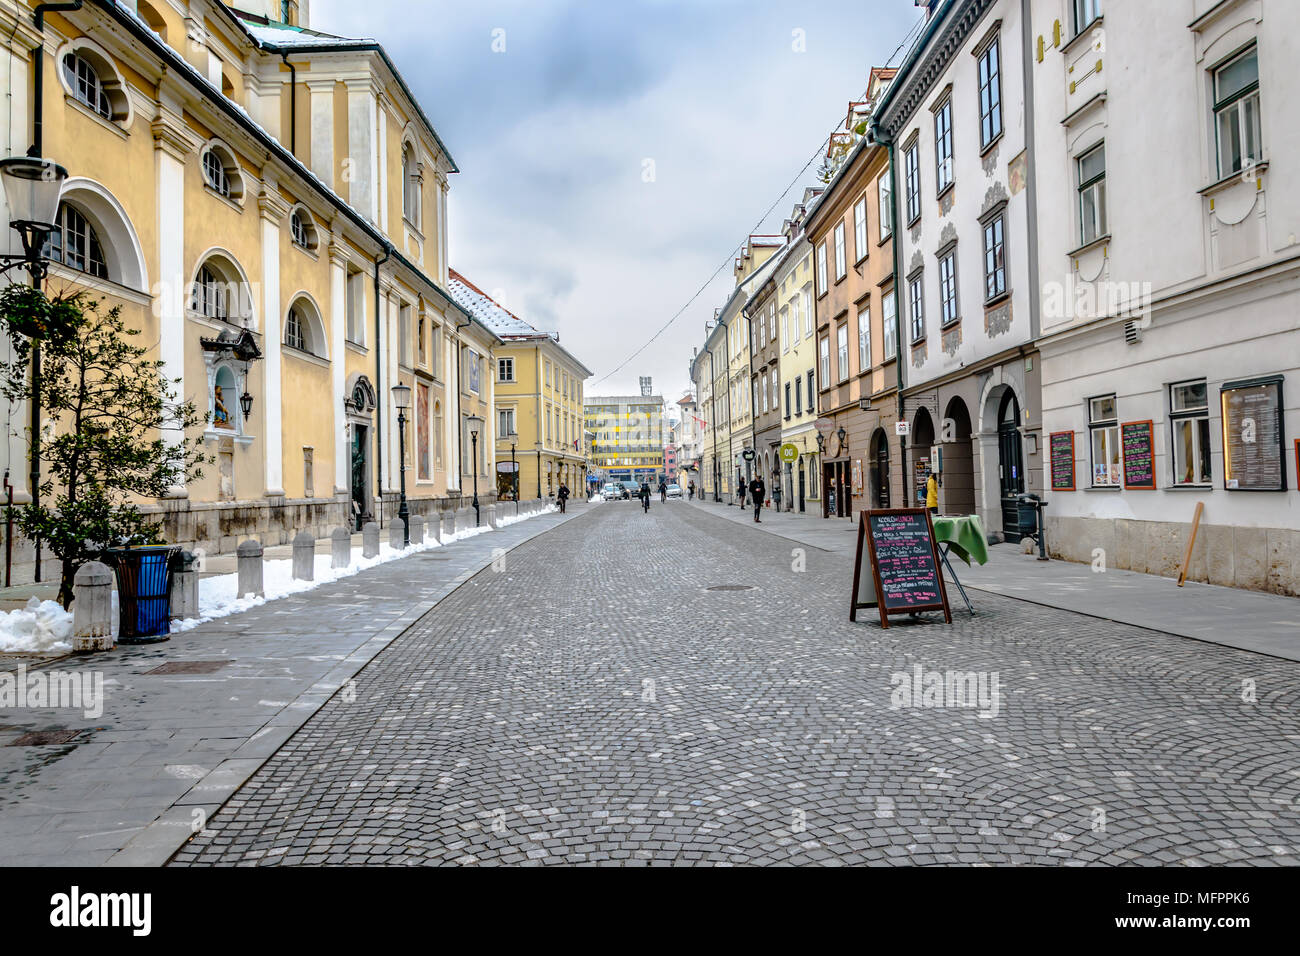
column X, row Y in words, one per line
column 901, row 573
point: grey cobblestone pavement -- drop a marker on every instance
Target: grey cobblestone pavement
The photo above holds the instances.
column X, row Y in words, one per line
column 592, row 701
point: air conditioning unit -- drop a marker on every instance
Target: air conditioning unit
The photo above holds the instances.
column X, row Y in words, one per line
column 1132, row 333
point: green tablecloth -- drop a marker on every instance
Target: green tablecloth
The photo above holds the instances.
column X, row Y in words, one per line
column 964, row 535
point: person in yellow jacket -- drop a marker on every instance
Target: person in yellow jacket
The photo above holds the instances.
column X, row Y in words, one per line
column 932, row 493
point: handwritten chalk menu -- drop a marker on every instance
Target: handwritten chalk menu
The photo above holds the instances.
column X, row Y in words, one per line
column 1252, row 436
column 902, row 574
column 1138, row 442
column 1062, row 445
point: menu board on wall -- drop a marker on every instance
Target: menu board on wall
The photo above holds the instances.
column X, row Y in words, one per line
column 1138, row 442
column 1062, row 449
column 1252, row 435
column 901, row 574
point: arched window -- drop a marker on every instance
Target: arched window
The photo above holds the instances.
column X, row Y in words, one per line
column 303, row 329
column 75, row 244
column 215, row 171
column 302, row 230
column 211, row 295
column 152, row 18
column 410, row 186
column 86, row 85
column 294, row 336
column 219, row 292
column 221, row 172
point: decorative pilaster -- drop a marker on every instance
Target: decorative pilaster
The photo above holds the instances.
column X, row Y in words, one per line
column 338, row 308
column 272, row 209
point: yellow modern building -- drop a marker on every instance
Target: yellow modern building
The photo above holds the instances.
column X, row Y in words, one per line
column 268, row 204
column 538, row 391
column 627, row 437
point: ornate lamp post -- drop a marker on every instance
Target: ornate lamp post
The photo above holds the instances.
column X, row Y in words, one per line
column 32, row 187
column 514, row 478
column 475, row 423
column 402, row 401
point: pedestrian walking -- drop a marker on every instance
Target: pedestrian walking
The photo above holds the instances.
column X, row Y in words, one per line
column 776, row 495
column 644, row 495
column 690, row 490
column 563, row 496
column 932, row 493
column 757, row 494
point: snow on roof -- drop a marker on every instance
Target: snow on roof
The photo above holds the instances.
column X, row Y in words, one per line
column 280, row 34
column 487, row 310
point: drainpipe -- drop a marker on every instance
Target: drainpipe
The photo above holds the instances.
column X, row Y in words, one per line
column 38, row 63
column 379, row 388
column 293, row 104
column 879, row 136
column 460, row 465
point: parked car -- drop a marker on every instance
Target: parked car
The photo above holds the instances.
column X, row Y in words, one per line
column 633, row 488
column 674, row 491
column 613, row 492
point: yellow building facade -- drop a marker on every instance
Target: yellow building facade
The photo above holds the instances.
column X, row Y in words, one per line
column 268, row 204
column 627, row 437
column 538, row 390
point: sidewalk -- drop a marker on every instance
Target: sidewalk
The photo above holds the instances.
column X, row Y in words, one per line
column 1233, row 617
column 170, row 748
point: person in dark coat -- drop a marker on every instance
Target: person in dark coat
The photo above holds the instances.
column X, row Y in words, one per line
column 757, row 494
column 644, row 495
column 562, row 495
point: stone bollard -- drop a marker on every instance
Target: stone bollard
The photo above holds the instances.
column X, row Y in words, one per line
column 369, row 540
column 341, row 545
column 185, row 588
column 464, row 519
column 492, row 516
column 249, row 558
column 448, row 524
column 396, row 534
column 304, row 556
column 417, row 529
column 92, row 609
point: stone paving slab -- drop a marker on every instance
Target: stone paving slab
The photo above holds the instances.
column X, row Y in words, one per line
column 125, row 790
column 1234, row 617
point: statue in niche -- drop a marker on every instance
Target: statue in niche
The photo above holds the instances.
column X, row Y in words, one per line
column 220, row 416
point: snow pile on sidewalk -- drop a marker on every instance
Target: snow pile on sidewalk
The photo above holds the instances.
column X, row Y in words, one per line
column 40, row 627
column 511, row 518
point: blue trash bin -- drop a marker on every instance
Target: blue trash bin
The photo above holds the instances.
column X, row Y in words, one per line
column 144, row 592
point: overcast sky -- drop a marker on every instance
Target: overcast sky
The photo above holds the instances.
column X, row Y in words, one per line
column 556, row 136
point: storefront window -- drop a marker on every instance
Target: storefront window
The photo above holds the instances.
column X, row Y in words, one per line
column 1189, row 416
column 1103, row 425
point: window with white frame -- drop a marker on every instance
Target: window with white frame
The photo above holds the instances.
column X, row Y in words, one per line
column 821, row 268
column 506, row 421
column 771, row 321
column 916, row 305
column 1092, row 194
column 214, row 170
column 990, row 82
column 1103, row 432
column 889, row 321
column 1085, row 12
column 948, row 288
column 995, row 267
column 211, row 295
column 825, row 360
column 86, row 85
column 505, row 370
column 294, row 335
column 841, row 266
column 75, row 244
column 885, row 197
column 943, row 146
column 912, row 175
column 806, row 307
column 864, row 338
column 785, row 328
column 1236, row 112
column 757, row 396
column 860, row 229
column 404, row 334
column 787, row 399
column 776, row 392
column 812, row 400
column 356, row 307
column 842, row 349
column 1189, row 422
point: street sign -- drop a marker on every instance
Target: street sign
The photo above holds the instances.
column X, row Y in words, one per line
column 747, row 454
column 902, row 428
column 789, row 452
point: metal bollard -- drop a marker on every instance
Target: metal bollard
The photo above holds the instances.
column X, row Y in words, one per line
column 249, row 559
column 304, row 556
column 92, row 609
column 417, row 529
column 185, row 588
column 341, row 545
column 369, row 540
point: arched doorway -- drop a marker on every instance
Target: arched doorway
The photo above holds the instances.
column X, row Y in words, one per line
column 1011, row 466
column 958, row 460
column 879, row 469
column 922, row 450
column 359, row 408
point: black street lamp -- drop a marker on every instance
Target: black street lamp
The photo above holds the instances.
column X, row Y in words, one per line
column 514, row 467
column 475, row 423
column 32, row 187
column 402, row 400
column 246, row 404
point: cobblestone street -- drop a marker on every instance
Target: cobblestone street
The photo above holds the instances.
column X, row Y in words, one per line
column 592, row 700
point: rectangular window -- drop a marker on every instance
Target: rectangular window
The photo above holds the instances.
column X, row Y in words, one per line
column 860, row 229
column 806, row 307
column 889, row 319
column 1189, row 416
column 841, row 266
column 812, row 402
column 995, row 268
column 776, row 392
column 1092, row 194
column 798, row 397
column 885, row 195
column 420, row 353
column 948, row 289
column 787, row 400
column 864, row 338
column 1236, row 112
column 505, row 370
column 785, row 327
column 356, row 308
column 825, row 360
column 912, row 169
column 821, row 268
column 842, row 349
column 506, row 421
column 1103, row 430
column 404, row 335
column 990, row 78
column 916, row 303
column 771, row 322
column 422, row 448
column 943, row 146
column 763, row 396
column 1085, row 11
